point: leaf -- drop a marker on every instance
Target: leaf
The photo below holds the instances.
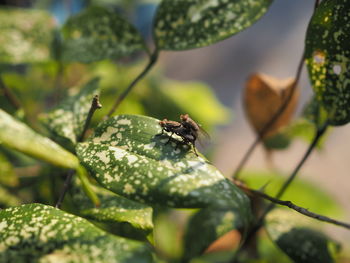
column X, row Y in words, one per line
column 295, row 236
column 128, row 156
column 23, row 38
column 68, row 119
column 16, row 135
column 113, row 208
column 175, row 97
column 206, row 226
column 327, row 55
column 7, row 199
column 36, row 232
column 263, row 97
column 98, row 33
column 187, row 24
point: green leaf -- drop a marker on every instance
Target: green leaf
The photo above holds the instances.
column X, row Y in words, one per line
column 16, row 135
column 25, row 35
column 98, row 33
column 36, row 232
column 187, row 24
column 175, row 97
column 67, row 119
column 328, row 54
column 128, row 156
column 7, row 199
column 295, row 235
column 113, row 208
column 208, row 225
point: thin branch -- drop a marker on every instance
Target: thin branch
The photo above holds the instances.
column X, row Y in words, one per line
column 65, row 188
column 291, row 205
column 95, row 105
column 10, row 95
column 122, row 96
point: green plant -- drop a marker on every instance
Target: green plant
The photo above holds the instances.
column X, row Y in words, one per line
column 117, row 181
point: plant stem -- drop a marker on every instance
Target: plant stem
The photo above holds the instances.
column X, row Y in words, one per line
column 65, row 188
column 152, row 60
column 320, row 131
column 9, row 95
column 289, row 204
column 95, row 104
column 274, row 118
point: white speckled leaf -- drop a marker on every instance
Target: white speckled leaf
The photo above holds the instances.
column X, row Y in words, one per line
column 113, row 208
column 23, row 38
column 40, row 233
column 127, row 156
column 67, row 120
column 296, row 236
column 208, row 225
column 328, row 58
column 18, row 136
column 98, row 33
column 186, row 24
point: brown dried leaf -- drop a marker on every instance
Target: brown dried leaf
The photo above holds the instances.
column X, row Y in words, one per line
column 263, row 97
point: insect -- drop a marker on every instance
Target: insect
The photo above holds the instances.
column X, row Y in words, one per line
column 187, row 129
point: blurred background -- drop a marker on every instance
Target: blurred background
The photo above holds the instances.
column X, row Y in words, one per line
column 273, row 46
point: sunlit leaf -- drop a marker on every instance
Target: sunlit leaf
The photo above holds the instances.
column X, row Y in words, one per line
column 8, row 199
column 67, row 119
column 113, row 208
column 16, row 135
column 170, row 98
column 98, row 33
column 263, row 98
column 296, row 236
column 328, row 58
column 38, row 232
column 128, row 156
column 23, row 38
column 208, row 225
column 186, row 24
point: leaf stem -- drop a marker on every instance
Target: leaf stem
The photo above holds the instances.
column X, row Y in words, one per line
column 152, row 60
column 291, row 205
column 65, row 188
column 10, row 95
column 95, row 105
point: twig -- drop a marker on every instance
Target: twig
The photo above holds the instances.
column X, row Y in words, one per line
column 65, row 188
column 95, row 104
column 274, row 118
column 9, row 95
column 291, row 205
column 152, row 61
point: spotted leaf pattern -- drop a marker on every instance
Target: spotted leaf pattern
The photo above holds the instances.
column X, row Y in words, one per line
column 23, row 38
column 16, row 135
column 187, row 24
column 328, row 58
column 40, row 233
column 68, row 119
column 129, row 156
column 98, row 33
column 113, row 208
column 297, row 236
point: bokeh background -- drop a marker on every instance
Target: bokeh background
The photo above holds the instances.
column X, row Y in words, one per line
column 273, row 46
